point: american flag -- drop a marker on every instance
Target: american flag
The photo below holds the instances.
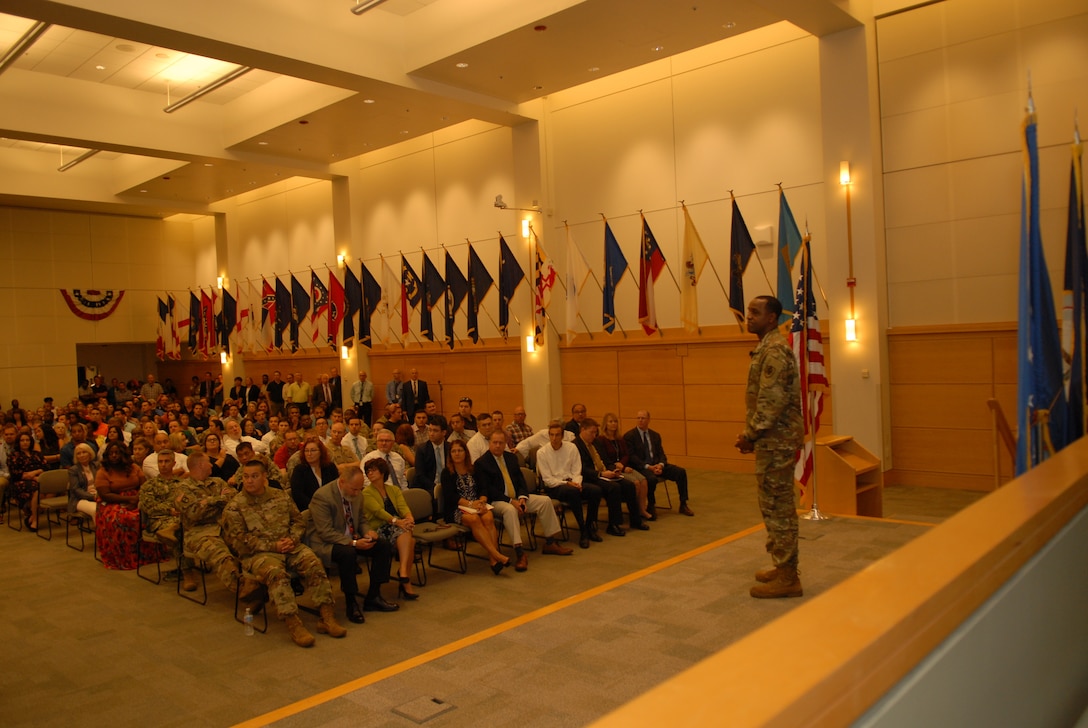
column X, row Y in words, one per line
column 808, row 346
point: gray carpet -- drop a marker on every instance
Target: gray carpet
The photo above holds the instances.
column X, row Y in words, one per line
column 87, row 645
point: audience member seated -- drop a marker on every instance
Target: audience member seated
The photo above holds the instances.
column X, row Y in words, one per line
column 79, row 434
column 338, row 453
column 519, row 429
column 560, row 469
column 273, row 474
column 615, row 488
column 387, row 513
column 25, row 464
column 263, row 526
column 46, row 443
column 577, row 414
column 457, row 429
column 405, row 438
column 481, row 441
column 464, row 504
column 161, row 442
column 315, row 470
column 291, row 444
column 159, row 512
column 81, row 477
column 431, row 458
column 224, row 465
column 117, row 521
column 464, row 408
column 613, row 451
column 200, row 501
column 356, row 439
column 503, row 485
column 339, row 535
column 648, row 457
column 384, row 443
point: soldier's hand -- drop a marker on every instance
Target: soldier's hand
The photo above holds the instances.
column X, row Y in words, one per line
column 744, row 444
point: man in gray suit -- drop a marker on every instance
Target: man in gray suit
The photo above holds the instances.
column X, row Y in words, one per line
column 338, row 535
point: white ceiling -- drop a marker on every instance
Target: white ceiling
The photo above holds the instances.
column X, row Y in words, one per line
column 326, row 85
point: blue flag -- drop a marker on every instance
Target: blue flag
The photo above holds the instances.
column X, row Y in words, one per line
column 372, row 297
column 1040, row 397
column 511, row 274
column 457, row 290
column 789, row 243
column 300, row 306
column 1073, row 303
column 741, row 248
column 353, row 300
column 479, row 283
column 615, row 265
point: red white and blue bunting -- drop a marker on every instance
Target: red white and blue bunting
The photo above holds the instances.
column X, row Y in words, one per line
column 90, row 304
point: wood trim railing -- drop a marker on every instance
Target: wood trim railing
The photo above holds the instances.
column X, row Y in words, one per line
column 826, row 662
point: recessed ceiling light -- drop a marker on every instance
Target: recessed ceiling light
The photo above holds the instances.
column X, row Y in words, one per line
column 658, row 48
column 368, row 101
column 143, row 190
column 405, row 131
column 208, row 164
column 730, row 25
column 303, row 122
column 162, row 55
column 594, row 69
column 537, row 88
column 100, row 67
column 462, row 64
column 126, row 48
column 263, row 144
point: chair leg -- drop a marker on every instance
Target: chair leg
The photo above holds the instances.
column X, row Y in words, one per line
column 77, row 518
column 240, row 618
column 140, row 563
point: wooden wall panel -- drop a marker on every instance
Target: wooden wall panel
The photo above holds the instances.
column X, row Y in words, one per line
column 940, row 359
column 598, row 399
column 650, row 365
column 942, row 405
column 504, row 368
column 588, row 366
column 663, row 403
column 944, row 450
column 719, row 364
column 940, row 380
column 714, row 439
column 715, row 402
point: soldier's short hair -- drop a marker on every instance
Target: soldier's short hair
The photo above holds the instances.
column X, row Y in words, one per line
column 771, row 304
column 257, row 463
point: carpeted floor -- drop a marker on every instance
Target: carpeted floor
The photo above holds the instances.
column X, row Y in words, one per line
column 559, row 645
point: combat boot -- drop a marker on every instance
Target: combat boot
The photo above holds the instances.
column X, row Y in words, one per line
column 765, row 576
column 328, row 624
column 188, row 581
column 787, row 583
column 299, row 634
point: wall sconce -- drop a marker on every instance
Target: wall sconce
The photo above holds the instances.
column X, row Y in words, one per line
column 530, row 344
column 525, row 228
column 844, row 173
column 851, row 281
column 851, row 330
column 340, row 260
column 219, row 282
column 223, row 357
column 345, row 353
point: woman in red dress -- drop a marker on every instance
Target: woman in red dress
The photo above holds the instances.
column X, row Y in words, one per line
column 117, row 521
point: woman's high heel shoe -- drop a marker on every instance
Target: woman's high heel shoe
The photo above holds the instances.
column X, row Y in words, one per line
column 498, row 566
column 404, row 593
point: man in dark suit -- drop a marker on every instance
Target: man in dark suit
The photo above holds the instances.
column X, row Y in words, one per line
column 338, row 535
column 500, row 480
column 337, row 390
column 647, row 456
column 615, row 489
column 322, row 394
column 431, row 457
column 413, row 394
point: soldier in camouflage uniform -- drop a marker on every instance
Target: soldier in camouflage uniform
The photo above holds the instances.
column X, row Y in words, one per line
column 265, row 529
column 339, row 454
column 245, row 454
column 200, row 503
column 157, row 509
column 774, row 431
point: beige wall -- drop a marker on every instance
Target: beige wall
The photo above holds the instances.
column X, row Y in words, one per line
column 953, row 86
column 42, row 251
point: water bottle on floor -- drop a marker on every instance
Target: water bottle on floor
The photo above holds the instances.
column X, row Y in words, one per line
column 248, row 620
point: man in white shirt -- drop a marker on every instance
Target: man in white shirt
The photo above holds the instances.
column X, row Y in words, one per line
column 356, row 440
column 385, row 442
column 151, row 462
column 560, row 468
column 232, row 436
column 479, row 443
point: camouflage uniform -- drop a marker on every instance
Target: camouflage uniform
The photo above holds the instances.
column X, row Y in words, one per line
column 273, row 475
column 201, row 504
column 157, row 504
column 252, row 525
column 775, row 427
column 340, row 455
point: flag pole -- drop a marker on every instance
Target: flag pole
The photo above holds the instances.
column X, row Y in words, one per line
column 815, row 514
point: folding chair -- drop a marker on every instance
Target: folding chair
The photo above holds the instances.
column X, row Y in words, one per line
column 427, row 533
column 52, row 499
